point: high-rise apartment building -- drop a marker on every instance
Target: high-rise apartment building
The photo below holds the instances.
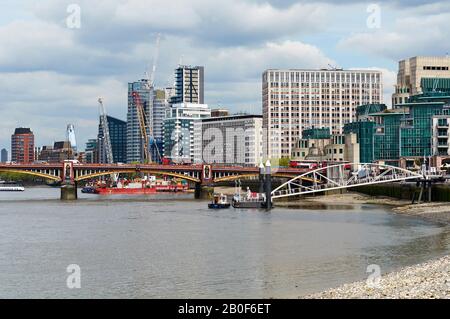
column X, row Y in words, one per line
column 160, row 107
column 22, row 146
column 189, row 85
column 4, row 155
column 229, row 140
column 118, row 137
column 297, row 99
column 418, row 75
column 179, row 130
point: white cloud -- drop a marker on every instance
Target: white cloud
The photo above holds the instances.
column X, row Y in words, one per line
column 422, row 34
column 207, row 22
column 234, row 64
column 48, row 101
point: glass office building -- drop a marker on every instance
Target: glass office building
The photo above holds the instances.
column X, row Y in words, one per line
column 118, row 136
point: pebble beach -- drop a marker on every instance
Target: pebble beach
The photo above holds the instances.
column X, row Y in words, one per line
column 430, row 280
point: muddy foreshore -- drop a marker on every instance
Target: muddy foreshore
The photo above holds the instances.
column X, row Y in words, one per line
column 427, row 280
column 435, row 211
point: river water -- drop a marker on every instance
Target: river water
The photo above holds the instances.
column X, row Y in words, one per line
column 172, row 246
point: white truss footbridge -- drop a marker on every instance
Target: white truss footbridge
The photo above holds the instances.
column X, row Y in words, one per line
column 343, row 176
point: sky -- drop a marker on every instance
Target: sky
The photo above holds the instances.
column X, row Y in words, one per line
column 57, row 57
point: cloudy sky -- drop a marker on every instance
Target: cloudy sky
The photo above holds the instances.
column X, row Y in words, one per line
column 51, row 72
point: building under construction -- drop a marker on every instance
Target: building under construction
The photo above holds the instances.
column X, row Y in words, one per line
column 154, row 110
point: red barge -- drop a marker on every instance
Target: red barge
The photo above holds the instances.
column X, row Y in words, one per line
column 136, row 188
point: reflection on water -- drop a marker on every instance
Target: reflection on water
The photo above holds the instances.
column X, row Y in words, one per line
column 170, row 245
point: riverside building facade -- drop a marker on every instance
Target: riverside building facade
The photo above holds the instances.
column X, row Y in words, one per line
column 231, row 140
column 297, row 99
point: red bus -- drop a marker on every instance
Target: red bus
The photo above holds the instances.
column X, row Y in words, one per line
column 313, row 164
column 306, row 164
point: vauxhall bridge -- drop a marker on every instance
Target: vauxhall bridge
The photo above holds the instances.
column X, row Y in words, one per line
column 70, row 173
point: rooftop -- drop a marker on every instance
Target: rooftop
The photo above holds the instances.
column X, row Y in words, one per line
column 23, row 130
column 326, row 70
column 231, row 117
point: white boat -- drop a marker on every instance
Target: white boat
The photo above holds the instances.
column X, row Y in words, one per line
column 10, row 187
column 219, row 202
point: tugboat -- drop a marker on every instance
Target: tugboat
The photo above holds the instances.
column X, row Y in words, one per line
column 219, row 202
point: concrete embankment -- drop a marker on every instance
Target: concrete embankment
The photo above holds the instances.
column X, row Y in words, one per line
column 439, row 192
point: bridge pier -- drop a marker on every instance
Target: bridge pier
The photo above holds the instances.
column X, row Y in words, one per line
column 203, row 192
column 69, row 192
column 268, row 185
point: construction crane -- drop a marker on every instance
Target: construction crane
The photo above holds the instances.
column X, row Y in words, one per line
column 106, row 136
column 142, row 125
column 146, row 123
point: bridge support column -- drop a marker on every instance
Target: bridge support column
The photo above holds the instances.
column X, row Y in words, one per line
column 268, row 185
column 203, row 192
column 261, row 178
column 69, row 192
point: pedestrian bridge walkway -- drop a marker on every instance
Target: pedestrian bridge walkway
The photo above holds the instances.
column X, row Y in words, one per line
column 343, row 176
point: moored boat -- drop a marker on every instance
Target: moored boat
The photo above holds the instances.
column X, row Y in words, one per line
column 88, row 190
column 136, row 187
column 249, row 200
column 219, row 202
column 11, row 187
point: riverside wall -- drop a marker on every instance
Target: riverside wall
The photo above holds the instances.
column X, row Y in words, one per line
column 439, row 192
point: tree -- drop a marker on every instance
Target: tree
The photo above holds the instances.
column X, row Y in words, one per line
column 284, row 162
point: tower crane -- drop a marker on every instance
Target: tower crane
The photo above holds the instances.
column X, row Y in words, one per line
column 146, row 123
column 106, row 136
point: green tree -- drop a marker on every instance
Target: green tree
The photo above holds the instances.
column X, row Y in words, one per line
column 284, row 162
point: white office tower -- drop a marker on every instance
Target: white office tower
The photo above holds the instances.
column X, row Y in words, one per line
column 296, row 99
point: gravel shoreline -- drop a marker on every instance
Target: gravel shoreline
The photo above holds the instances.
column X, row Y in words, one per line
column 430, row 280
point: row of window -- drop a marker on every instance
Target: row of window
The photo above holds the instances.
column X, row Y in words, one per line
column 436, row 68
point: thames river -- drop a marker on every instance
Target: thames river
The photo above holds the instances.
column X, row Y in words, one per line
column 172, row 246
